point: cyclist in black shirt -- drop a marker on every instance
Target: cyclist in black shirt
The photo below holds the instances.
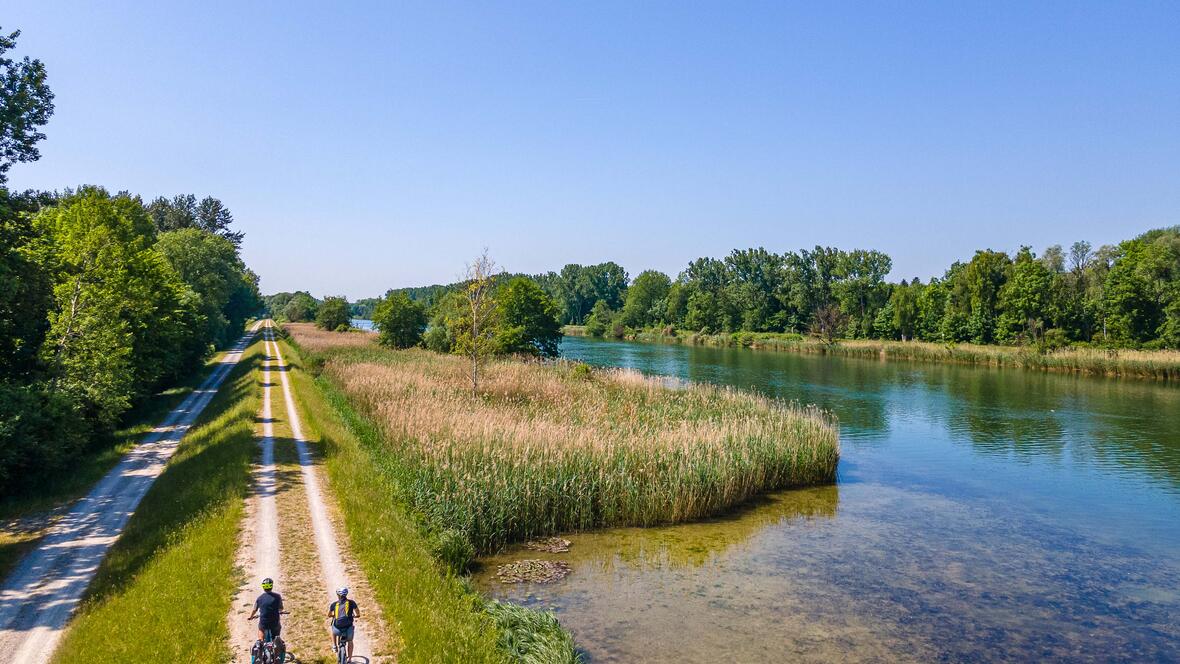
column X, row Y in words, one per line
column 268, row 607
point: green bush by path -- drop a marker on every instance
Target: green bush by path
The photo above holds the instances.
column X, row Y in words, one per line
column 161, row 592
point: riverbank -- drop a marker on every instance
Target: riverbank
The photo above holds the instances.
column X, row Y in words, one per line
column 543, row 449
column 1159, row 365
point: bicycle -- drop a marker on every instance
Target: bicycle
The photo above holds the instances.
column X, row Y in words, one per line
column 267, row 651
column 341, row 647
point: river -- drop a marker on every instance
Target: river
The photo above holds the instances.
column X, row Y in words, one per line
column 979, row 515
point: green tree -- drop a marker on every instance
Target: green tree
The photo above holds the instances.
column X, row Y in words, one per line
column 601, row 320
column 210, row 265
column 119, row 317
column 446, row 322
column 26, row 103
column 1024, row 298
column 184, row 211
column 755, row 278
column 860, row 287
column 904, row 303
column 26, row 292
column 332, row 314
column 529, row 319
column 646, row 302
column 1142, row 289
column 400, row 321
column 301, row 307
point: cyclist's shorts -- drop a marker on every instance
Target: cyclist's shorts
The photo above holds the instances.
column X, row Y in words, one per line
column 347, row 631
column 274, row 627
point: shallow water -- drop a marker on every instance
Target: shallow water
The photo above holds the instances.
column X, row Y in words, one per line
column 979, row 515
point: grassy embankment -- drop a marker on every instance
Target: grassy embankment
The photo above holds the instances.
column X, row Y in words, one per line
column 23, row 519
column 1158, row 364
column 160, row 594
column 420, row 597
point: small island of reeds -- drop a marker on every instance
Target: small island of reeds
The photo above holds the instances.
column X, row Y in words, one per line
column 544, row 448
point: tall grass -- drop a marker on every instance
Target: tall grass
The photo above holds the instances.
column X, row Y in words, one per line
column 161, row 592
column 1113, row 362
column 548, row 449
column 435, row 616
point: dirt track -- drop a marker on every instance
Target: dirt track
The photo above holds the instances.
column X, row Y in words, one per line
column 305, row 528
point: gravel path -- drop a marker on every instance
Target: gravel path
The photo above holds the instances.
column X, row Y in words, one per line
column 260, row 536
column 38, row 598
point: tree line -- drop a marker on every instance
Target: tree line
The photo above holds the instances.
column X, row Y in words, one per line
column 1124, row 295
column 103, row 299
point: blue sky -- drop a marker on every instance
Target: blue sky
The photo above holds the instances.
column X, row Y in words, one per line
column 363, row 146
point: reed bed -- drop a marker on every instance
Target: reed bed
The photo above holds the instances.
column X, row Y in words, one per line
column 314, row 340
column 556, row 448
column 1113, row 362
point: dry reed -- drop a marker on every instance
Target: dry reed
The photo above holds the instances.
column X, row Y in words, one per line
column 547, row 449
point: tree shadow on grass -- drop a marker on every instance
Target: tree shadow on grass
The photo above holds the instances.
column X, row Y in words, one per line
column 209, row 470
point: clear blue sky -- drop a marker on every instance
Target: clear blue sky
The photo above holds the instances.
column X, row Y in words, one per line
column 367, row 146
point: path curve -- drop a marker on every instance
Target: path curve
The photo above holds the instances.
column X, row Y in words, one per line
column 42, row 592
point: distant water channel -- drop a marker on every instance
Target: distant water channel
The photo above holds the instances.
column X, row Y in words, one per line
column 979, row 515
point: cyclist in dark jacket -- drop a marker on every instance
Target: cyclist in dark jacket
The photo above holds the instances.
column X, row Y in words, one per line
column 269, row 607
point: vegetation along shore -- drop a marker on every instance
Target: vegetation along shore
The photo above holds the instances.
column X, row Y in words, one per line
column 1126, row 362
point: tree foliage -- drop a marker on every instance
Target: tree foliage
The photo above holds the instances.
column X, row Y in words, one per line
column 26, row 103
column 333, row 314
column 400, row 321
column 184, row 211
column 529, row 321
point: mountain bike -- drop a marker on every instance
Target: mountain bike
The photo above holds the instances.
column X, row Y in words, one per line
column 269, row 650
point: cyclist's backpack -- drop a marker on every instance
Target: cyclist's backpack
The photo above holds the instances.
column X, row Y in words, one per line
column 342, row 614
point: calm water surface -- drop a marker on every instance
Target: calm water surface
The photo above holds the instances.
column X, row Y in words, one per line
column 979, row 515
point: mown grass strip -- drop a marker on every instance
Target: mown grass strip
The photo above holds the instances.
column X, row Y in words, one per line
column 160, row 594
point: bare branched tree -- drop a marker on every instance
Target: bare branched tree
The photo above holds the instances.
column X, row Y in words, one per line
column 477, row 340
column 827, row 323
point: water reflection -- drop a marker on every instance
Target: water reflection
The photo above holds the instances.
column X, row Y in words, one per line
column 980, row 515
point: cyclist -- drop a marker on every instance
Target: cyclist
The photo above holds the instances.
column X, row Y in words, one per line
column 268, row 607
column 341, row 614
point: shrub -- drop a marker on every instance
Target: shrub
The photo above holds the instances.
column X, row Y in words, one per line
column 333, row 314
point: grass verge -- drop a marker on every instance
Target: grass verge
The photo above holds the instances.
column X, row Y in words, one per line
column 175, row 560
column 435, row 616
column 87, row 470
column 24, row 519
column 1111, row 362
